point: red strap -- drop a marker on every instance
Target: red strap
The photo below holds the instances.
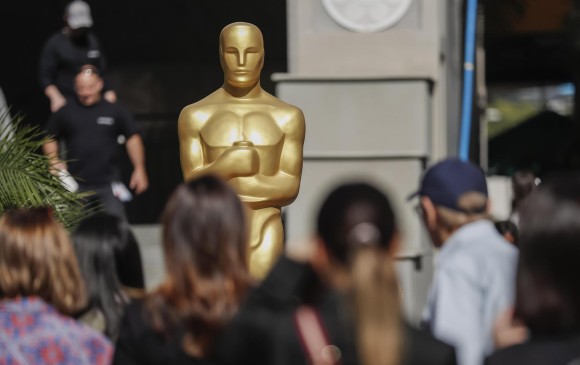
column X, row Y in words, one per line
column 313, row 337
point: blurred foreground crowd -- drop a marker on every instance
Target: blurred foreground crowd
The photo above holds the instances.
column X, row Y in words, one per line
column 333, row 298
column 503, row 292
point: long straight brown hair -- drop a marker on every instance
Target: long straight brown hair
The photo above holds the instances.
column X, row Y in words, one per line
column 205, row 247
column 38, row 259
column 357, row 226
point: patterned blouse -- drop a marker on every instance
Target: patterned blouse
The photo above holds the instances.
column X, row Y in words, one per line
column 34, row 333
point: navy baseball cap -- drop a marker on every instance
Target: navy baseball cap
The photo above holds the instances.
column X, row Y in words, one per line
column 447, row 181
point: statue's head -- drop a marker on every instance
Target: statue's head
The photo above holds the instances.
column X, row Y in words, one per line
column 241, row 54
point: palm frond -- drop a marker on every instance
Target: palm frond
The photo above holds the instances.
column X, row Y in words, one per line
column 25, row 177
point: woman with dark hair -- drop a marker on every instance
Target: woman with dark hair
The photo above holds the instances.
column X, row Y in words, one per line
column 335, row 300
column 40, row 288
column 110, row 262
column 205, row 247
column 547, row 295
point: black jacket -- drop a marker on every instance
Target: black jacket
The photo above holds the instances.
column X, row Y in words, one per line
column 264, row 333
column 540, row 350
column 139, row 344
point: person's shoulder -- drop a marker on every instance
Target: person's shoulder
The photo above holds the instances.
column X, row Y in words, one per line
column 270, row 302
column 67, row 110
column 555, row 350
column 254, row 328
column 105, row 104
column 92, row 35
column 116, row 110
column 135, row 311
column 422, row 348
column 56, row 38
column 496, row 251
column 135, row 328
column 503, row 247
column 483, row 241
column 477, row 264
column 519, row 354
column 98, row 347
column 117, row 106
column 67, row 333
column 462, row 260
column 72, row 328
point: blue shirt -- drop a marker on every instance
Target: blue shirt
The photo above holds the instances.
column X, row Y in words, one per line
column 474, row 282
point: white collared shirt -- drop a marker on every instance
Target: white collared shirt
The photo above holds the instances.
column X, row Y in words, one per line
column 474, row 282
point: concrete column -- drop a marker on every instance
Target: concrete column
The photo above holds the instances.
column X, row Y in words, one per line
column 377, row 108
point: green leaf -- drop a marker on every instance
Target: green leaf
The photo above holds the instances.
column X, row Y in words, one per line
column 25, row 177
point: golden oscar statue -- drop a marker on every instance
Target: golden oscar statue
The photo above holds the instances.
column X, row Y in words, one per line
column 250, row 138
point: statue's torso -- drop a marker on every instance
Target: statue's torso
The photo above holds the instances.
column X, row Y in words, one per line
column 216, row 123
column 257, row 123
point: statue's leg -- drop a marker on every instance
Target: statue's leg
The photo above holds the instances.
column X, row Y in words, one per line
column 266, row 247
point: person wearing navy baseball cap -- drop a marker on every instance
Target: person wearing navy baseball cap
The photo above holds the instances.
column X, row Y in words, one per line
column 475, row 275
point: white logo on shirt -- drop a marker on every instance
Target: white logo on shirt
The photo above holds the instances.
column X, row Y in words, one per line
column 105, row 120
column 94, row 53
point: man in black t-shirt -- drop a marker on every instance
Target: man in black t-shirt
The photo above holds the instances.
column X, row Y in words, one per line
column 90, row 127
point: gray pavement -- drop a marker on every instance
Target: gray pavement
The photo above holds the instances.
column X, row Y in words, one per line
column 149, row 238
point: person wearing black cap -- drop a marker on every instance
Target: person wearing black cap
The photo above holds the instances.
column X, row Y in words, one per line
column 475, row 274
column 66, row 51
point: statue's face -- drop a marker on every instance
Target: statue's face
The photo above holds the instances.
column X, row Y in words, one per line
column 242, row 55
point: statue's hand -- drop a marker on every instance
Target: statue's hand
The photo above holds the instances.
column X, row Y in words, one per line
column 241, row 160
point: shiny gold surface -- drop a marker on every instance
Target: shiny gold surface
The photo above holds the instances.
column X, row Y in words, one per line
column 250, row 138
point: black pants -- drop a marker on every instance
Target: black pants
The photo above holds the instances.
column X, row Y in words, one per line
column 104, row 196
